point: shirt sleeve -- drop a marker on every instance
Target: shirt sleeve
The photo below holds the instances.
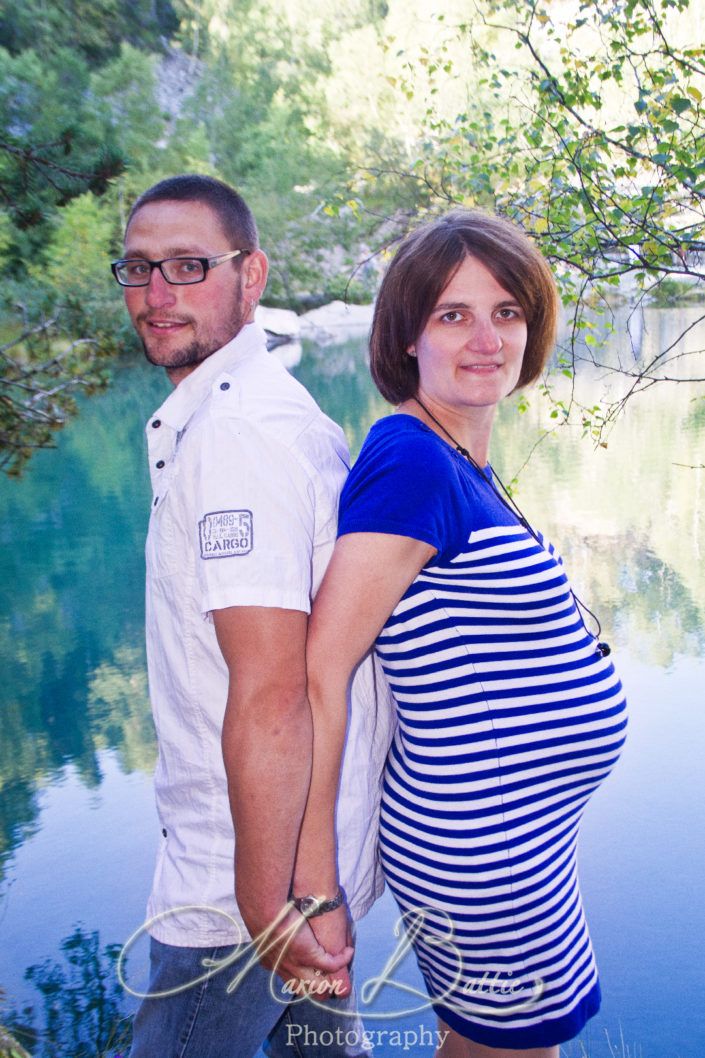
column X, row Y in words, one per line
column 254, row 520
column 406, row 484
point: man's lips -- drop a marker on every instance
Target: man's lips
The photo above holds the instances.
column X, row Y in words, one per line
column 163, row 325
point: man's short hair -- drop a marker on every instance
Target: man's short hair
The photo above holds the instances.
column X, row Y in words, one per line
column 234, row 214
column 423, row 266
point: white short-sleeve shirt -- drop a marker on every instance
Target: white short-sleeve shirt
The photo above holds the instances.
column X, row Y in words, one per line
column 246, row 472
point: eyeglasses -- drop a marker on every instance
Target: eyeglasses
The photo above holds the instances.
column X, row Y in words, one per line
column 180, row 271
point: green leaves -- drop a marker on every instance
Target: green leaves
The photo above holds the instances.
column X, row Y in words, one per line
column 599, row 153
column 92, row 28
column 680, row 104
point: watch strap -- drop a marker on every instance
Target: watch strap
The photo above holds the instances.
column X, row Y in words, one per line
column 313, row 906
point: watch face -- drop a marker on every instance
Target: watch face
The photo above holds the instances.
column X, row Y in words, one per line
column 315, row 905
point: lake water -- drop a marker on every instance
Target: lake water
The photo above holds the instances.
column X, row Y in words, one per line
column 78, row 829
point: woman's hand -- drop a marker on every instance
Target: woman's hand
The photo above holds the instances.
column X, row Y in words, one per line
column 293, row 951
column 333, row 931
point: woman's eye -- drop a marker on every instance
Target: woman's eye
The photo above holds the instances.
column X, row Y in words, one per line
column 451, row 317
column 509, row 314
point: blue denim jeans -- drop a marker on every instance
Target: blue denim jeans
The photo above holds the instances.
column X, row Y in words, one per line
column 204, row 1020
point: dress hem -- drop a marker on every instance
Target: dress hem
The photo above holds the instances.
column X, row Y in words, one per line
column 547, row 1033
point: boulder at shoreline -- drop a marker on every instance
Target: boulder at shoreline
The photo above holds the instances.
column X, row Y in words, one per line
column 332, row 323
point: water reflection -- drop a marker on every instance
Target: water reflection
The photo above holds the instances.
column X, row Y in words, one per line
column 83, row 1004
column 642, row 339
column 71, row 632
column 339, row 379
column 626, row 519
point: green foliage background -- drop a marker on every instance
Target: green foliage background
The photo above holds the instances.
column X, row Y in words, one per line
column 583, row 121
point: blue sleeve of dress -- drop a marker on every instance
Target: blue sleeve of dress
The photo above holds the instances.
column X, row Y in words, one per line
column 406, row 482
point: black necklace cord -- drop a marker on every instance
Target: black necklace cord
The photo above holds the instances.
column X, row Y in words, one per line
column 508, row 501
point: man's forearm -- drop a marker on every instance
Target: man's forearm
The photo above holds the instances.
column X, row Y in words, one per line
column 267, row 748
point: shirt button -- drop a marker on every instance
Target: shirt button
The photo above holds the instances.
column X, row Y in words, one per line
column 156, row 423
column 225, row 385
column 156, row 500
column 163, row 832
column 160, row 464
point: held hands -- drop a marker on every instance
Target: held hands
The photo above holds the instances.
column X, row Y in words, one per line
column 333, row 932
column 311, row 956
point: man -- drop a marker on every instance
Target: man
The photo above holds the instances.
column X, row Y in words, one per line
column 246, row 472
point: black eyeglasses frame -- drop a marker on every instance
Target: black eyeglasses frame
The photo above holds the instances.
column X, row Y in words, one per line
column 206, row 264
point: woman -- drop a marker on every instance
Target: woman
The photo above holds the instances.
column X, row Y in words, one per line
column 510, row 714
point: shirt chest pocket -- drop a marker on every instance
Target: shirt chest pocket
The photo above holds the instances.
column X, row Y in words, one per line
column 166, row 551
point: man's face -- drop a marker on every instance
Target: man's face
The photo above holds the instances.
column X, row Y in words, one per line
column 182, row 325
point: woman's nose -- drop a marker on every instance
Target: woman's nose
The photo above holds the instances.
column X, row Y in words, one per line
column 485, row 337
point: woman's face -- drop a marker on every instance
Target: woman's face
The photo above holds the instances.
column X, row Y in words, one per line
column 471, row 350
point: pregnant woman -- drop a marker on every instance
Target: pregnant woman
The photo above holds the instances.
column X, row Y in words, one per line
column 509, row 710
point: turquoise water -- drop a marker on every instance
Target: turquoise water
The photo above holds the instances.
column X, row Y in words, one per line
column 77, row 823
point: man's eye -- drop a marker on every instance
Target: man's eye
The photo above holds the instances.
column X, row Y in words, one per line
column 189, row 267
column 136, row 269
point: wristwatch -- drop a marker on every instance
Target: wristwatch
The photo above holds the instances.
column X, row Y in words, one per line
column 313, row 906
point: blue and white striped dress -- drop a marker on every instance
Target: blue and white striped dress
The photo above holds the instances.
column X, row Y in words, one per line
column 508, row 720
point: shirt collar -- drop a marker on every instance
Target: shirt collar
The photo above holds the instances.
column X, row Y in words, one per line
column 190, row 393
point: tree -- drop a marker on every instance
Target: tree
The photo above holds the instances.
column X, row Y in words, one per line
column 582, row 121
column 261, row 102
column 92, row 28
column 43, row 370
column 47, row 152
column 39, row 387
column 588, row 129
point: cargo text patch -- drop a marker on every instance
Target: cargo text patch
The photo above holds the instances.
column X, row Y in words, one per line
column 225, row 534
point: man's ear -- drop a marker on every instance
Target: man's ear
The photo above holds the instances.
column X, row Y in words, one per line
column 254, row 272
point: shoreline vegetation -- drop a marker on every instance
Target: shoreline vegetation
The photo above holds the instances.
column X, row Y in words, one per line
column 10, row 1047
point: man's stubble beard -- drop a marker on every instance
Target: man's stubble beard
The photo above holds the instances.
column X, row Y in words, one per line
column 191, row 356
column 200, row 350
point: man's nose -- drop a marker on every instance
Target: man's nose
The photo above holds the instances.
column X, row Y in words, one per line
column 159, row 292
column 485, row 337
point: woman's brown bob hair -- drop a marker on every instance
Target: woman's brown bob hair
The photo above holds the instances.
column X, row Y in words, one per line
column 422, row 268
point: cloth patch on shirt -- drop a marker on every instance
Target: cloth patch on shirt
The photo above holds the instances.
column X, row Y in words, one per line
column 225, row 534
